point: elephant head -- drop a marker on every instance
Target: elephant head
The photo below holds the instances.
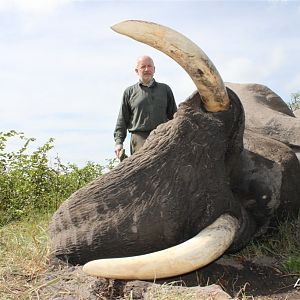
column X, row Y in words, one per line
column 190, row 194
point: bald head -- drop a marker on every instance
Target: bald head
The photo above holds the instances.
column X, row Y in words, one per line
column 144, row 58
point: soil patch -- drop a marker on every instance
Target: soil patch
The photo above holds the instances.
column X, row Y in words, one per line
column 260, row 279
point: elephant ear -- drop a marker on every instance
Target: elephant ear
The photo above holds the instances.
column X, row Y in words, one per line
column 187, row 54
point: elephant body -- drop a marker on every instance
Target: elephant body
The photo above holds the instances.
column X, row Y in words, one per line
column 190, row 171
column 225, row 165
column 164, row 194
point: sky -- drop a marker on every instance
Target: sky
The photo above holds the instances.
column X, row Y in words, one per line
column 63, row 70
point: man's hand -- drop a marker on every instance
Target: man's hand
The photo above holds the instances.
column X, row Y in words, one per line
column 118, row 149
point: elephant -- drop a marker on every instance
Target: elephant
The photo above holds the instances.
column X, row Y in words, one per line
column 205, row 183
column 268, row 114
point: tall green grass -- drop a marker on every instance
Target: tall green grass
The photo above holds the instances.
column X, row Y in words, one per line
column 31, row 189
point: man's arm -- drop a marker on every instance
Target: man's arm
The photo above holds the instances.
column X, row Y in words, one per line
column 172, row 107
column 120, row 132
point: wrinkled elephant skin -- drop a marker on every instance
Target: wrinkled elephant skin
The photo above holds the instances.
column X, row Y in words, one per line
column 194, row 171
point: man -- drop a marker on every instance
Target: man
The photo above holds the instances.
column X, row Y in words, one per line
column 144, row 106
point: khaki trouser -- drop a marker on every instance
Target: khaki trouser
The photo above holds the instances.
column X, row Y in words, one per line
column 137, row 140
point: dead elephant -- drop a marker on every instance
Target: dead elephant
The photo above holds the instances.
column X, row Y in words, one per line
column 192, row 192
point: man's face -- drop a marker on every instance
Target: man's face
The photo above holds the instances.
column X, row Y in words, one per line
column 145, row 69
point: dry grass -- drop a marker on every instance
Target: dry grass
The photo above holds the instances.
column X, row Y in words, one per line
column 23, row 257
column 170, row 291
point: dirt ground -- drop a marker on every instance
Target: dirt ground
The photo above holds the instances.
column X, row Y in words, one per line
column 260, row 279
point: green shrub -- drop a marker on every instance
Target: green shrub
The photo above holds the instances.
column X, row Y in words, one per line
column 28, row 183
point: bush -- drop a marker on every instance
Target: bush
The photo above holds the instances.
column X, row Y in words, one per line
column 295, row 101
column 28, row 183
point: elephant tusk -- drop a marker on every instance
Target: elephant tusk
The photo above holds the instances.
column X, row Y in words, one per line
column 187, row 54
column 193, row 254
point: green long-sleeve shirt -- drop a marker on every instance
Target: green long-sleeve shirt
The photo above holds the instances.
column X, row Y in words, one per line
column 144, row 108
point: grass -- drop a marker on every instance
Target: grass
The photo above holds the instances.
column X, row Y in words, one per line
column 24, row 259
column 178, row 291
column 24, row 252
column 283, row 243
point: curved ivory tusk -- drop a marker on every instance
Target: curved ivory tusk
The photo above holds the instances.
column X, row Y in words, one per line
column 187, row 54
column 195, row 253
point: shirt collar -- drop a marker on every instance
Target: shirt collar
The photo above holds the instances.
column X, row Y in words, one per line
column 151, row 83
